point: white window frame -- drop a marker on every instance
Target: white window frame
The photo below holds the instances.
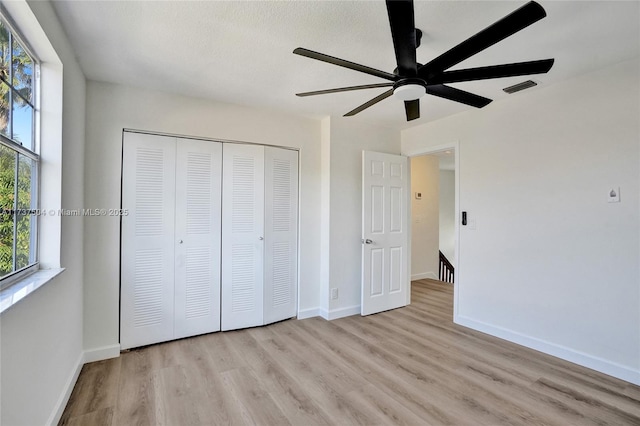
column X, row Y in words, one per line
column 17, row 275
column 49, row 137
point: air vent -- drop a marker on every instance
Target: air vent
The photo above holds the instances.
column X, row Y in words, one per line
column 520, row 86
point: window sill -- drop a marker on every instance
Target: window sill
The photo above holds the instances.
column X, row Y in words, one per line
column 24, row 287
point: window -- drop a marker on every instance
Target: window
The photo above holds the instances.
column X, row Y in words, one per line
column 19, row 160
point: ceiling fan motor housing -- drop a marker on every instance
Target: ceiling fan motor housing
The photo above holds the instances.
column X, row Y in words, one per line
column 409, row 89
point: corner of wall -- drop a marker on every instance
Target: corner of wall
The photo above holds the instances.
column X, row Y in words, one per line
column 102, row 353
column 325, row 213
column 308, row 313
column 61, row 404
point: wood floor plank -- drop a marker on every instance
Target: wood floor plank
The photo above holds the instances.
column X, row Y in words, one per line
column 318, row 359
column 178, row 397
column 392, row 377
column 453, row 388
column 246, row 389
column 220, row 408
column 272, row 376
column 408, row 366
column 262, row 333
column 101, row 417
column 595, row 409
column 218, row 347
column 136, row 402
column 96, row 389
column 373, row 399
column 324, row 381
column 300, row 409
column 452, row 376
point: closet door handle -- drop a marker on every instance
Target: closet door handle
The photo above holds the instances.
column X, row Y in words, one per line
column 261, row 238
column 180, row 242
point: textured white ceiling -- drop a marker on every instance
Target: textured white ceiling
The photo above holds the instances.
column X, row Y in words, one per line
column 241, row 52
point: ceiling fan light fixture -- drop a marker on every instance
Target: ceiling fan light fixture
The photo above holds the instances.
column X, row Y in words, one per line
column 409, row 92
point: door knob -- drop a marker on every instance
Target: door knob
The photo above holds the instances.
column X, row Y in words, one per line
column 261, row 238
column 367, row 241
column 180, row 241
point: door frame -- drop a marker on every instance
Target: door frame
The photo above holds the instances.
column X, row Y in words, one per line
column 448, row 146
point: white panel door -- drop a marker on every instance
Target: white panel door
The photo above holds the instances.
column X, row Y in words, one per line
column 197, row 237
column 281, row 234
column 242, row 236
column 385, row 264
column 147, row 264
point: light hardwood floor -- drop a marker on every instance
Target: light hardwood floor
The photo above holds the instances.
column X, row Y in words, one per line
column 408, row 366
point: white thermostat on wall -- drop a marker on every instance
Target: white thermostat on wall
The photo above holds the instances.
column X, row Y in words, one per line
column 418, row 195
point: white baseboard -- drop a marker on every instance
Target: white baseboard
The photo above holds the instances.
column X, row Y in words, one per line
column 99, row 354
column 424, row 275
column 342, row 312
column 54, row 419
column 308, row 313
column 324, row 313
column 595, row 363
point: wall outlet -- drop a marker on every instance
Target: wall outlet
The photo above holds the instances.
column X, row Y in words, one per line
column 334, row 293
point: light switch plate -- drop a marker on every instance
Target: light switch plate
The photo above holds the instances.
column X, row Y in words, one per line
column 613, row 195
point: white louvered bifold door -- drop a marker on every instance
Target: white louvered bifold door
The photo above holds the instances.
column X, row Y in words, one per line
column 281, row 234
column 242, row 236
column 147, row 264
column 197, row 237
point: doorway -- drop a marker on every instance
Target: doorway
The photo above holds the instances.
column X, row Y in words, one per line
column 434, row 214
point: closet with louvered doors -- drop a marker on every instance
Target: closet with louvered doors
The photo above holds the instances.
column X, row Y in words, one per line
column 170, row 242
column 195, row 251
column 259, row 235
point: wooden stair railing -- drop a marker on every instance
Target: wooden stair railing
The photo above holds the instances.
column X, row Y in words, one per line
column 445, row 270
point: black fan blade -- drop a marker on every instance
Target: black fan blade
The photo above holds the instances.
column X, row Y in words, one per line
column 403, row 32
column 509, row 25
column 412, row 108
column 373, row 101
column 345, row 89
column 495, row 71
column 457, row 95
column 346, row 64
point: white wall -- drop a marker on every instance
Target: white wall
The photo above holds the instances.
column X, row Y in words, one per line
column 425, row 176
column 110, row 108
column 42, row 335
column 551, row 264
column 348, row 139
column 325, row 223
column 447, row 192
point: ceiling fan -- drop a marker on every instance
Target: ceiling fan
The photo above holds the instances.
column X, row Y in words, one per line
column 411, row 80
